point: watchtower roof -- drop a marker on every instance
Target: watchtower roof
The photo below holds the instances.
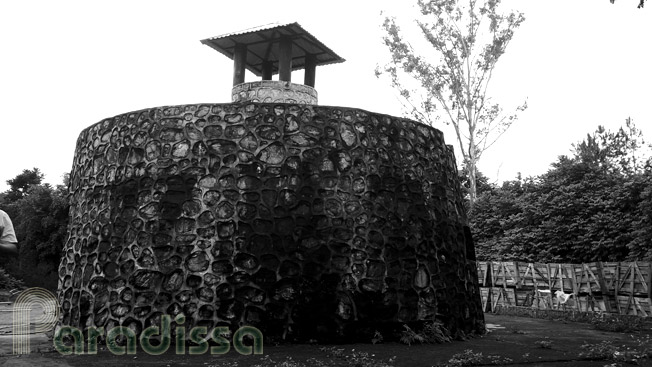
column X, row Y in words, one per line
column 262, row 44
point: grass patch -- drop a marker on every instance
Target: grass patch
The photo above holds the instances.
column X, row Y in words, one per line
column 600, row 321
column 471, row 358
column 618, row 323
column 342, row 357
column 608, row 351
column 543, row 344
column 356, row 358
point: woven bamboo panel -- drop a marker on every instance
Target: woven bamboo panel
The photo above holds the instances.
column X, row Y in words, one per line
column 639, row 306
column 504, row 274
column 541, row 300
column 562, row 277
column 610, row 271
column 524, row 297
column 502, row 297
column 593, row 304
column 484, row 279
column 634, row 279
column 612, row 287
column 588, row 278
column 541, row 273
column 485, row 295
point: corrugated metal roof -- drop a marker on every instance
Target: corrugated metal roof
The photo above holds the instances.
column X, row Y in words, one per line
column 262, row 44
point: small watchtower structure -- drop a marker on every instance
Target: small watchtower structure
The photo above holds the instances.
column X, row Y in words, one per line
column 269, row 50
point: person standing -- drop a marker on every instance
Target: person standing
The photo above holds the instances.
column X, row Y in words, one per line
column 8, row 241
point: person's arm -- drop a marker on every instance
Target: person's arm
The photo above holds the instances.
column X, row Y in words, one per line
column 7, row 242
column 8, row 248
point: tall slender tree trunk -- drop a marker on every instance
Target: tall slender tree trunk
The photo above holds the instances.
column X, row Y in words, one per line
column 472, row 159
column 470, row 167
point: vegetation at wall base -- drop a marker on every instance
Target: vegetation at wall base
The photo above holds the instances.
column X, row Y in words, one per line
column 9, row 282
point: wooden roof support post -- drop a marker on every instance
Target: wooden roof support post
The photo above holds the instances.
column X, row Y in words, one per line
column 311, row 67
column 285, row 59
column 267, row 70
column 239, row 63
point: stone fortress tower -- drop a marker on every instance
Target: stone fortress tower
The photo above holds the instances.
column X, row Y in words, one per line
column 305, row 221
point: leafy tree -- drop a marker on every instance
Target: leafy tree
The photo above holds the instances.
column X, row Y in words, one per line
column 593, row 206
column 641, row 3
column 467, row 38
column 641, row 246
column 617, row 152
column 481, row 182
column 501, row 219
column 40, row 218
column 586, row 213
column 22, row 182
column 573, row 213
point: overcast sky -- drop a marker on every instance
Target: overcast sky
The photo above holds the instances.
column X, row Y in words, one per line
column 65, row 65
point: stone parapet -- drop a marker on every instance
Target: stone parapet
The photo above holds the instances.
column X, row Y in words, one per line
column 272, row 91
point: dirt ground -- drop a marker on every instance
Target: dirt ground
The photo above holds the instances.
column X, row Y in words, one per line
column 517, row 341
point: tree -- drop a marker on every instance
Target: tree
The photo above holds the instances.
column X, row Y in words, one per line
column 641, row 246
column 482, row 184
column 501, row 220
column 22, row 182
column 641, row 3
column 575, row 212
column 595, row 205
column 468, row 38
column 39, row 213
column 586, row 212
column 617, row 152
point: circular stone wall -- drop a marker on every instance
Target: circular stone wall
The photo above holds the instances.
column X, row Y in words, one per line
column 304, row 221
column 273, row 91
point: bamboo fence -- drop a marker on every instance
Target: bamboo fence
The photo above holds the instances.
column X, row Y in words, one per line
column 607, row 287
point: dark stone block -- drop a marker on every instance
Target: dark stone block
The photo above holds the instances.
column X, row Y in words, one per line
column 246, row 261
column 173, row 281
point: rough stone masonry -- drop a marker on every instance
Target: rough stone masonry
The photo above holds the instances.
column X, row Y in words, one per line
column 304, row 221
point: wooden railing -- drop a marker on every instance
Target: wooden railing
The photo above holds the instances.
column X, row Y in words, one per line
column 614, row 287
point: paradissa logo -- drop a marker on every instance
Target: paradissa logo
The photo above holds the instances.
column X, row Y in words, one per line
column 198, row 335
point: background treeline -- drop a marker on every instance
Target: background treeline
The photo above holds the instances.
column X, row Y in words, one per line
column 594, row 205
column 39, row 213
